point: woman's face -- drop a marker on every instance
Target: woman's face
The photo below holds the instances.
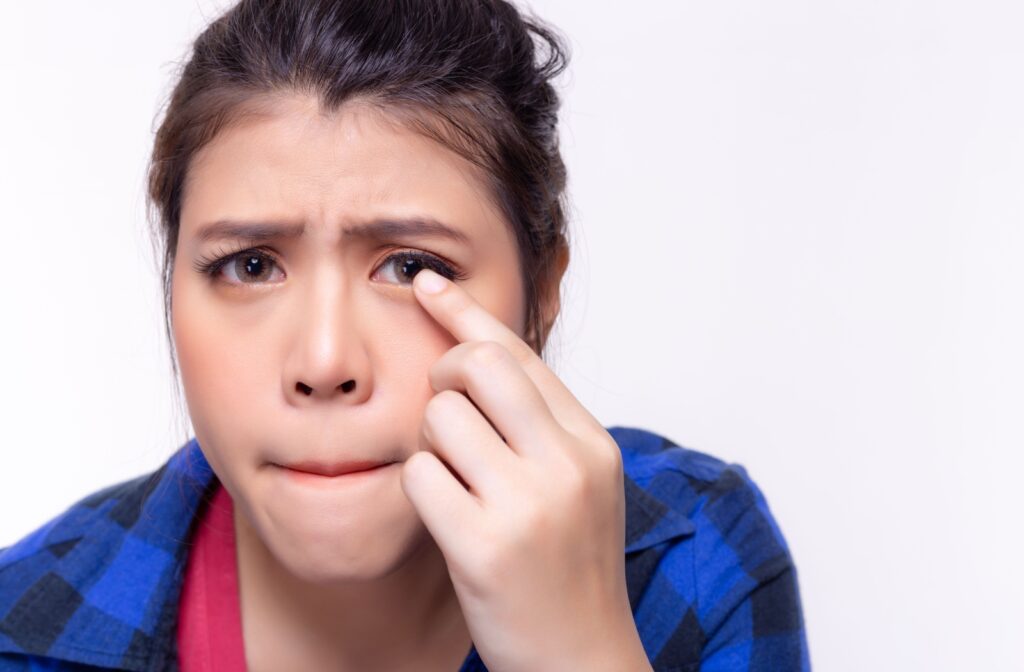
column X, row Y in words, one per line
column 316, row 349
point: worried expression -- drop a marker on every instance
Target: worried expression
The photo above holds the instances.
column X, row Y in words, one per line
column 298, row 336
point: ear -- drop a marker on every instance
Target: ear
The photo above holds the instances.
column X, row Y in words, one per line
column 551, row 301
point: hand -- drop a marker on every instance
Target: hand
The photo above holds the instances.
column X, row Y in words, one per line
column 535, row 545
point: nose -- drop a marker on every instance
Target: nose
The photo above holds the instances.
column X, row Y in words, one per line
column 328, row 361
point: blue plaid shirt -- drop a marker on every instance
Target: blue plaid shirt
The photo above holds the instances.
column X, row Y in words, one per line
column 710, row 578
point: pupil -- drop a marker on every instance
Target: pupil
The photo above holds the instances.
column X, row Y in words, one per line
column 406, row 266
column 251, row 262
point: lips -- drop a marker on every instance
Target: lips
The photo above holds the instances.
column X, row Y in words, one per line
column 336, row 468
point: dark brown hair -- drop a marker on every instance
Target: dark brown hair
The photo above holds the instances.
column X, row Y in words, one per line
column 466, row 73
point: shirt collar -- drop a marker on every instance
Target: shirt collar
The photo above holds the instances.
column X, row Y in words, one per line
column 646, row 456
column 161, row 508
column 649, row 521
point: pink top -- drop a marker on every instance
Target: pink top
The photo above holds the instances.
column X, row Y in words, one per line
column 209, row 613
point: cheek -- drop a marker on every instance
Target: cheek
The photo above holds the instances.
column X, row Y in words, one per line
column 218, row 367
column 403, row 344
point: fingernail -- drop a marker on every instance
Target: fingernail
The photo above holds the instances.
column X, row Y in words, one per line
column 432, row 283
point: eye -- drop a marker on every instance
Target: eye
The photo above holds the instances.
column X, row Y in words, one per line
column 405, row 265
column 253, row 266
column 250, row 264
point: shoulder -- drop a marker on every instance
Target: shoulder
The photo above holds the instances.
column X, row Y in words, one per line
column 120, row 503
column 713, row 494
column 44, row 575
column 94, row 585
column 722, row 592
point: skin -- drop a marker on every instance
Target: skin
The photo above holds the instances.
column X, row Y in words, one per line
column 501, row 521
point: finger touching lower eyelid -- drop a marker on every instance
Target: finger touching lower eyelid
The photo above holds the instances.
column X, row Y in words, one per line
column 458, row 312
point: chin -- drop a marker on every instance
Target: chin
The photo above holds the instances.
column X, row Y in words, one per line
column 345, row 554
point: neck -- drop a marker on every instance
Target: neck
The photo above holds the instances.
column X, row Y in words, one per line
column 410, row 614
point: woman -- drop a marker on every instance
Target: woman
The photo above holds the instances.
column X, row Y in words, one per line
column 362, row 211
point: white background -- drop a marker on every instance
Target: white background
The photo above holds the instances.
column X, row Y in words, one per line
column 797, row 246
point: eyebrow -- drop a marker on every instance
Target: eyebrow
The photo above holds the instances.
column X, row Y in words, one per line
column 377, row 229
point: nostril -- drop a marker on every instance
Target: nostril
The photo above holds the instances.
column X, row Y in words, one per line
column 305, row 389
column 348, row 385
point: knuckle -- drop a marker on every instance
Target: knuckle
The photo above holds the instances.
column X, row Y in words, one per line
column 523, row 353
column 573, row 480
column 439, row 406
column 610, row 457
column 577, row 481
column 486, row 354
column 450, row 400
column 589, row 478
column 612, row 469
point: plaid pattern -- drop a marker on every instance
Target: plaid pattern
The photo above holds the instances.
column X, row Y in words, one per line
column 710, row 578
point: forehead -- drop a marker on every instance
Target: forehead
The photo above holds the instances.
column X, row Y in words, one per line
column 290, row 162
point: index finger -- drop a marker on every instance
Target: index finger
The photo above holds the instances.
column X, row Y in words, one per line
column 462, row 316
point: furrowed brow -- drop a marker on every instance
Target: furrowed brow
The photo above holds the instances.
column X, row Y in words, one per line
column 378, row 229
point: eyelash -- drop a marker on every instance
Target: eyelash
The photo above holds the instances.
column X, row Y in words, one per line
column 212, row 265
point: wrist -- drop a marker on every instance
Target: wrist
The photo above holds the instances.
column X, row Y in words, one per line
column 620, row 650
